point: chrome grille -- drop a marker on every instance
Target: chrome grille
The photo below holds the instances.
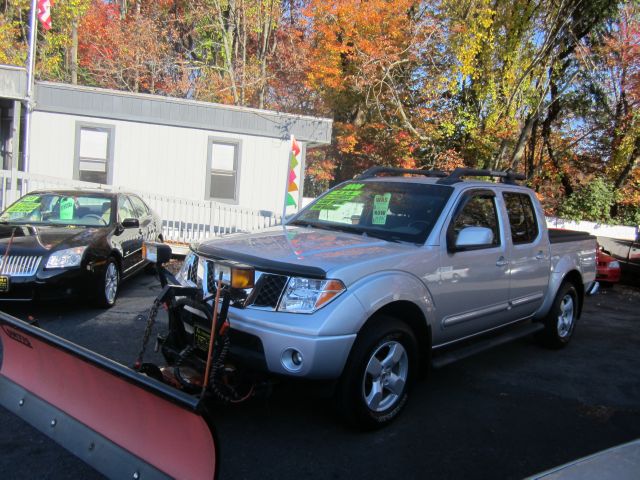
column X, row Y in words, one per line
column 268, row 290
column 19, row 265
column 211, row 281
column 192, row 270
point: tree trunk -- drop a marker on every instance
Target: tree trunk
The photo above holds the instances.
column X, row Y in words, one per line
column 525, row 133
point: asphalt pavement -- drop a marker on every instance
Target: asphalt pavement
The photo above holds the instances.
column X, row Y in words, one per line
column 507, row 413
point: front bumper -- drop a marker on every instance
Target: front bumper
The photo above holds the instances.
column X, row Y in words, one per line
column 47, row 285
column 270, row 338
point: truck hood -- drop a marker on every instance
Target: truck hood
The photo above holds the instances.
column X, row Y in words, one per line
column 301, row 251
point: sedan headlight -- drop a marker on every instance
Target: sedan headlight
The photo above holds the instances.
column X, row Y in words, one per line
column 614, row 264
column 70, row 257
column 306, row 295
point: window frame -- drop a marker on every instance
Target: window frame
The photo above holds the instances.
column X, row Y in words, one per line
column 132, row 199
column 521, row 196
column 463, row 201
column 124, row 198
column 111, row 133
column 237, row 144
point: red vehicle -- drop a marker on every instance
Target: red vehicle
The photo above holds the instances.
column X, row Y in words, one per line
column 608, row 268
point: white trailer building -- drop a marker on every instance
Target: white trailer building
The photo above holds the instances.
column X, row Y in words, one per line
column 181, row 148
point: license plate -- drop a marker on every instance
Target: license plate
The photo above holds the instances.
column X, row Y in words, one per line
column 4, row 283
column 201, row 338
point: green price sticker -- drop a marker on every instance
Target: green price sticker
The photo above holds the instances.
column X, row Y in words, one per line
column 25, row 205
column 380, row 208
column 67, row 206
column 335, row 199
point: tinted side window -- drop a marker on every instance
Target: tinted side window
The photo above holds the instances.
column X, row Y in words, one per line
column 522, row 217
column 125, row 209
column 139, row 206
column 480, row 211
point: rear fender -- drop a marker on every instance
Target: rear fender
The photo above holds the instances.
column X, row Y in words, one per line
column 122, row 423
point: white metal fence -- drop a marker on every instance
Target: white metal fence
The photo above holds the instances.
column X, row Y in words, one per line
column 183, row 220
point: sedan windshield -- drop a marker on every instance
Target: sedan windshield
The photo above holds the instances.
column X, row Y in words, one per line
column 60, row 209
column 393, row 211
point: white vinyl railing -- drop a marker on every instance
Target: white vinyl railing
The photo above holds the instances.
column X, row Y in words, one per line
column 183, row 220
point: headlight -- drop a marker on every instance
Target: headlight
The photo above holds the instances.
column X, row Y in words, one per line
column 71, row 257
column 614, row 264
column 306, row 295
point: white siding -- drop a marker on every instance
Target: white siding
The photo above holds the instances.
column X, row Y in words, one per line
column 164, row 159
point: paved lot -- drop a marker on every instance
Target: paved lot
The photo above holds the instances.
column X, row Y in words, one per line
column 507, row 413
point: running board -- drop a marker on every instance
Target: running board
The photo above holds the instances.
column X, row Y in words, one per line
column 453, row 354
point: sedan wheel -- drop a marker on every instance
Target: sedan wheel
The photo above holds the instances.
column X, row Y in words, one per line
column 109, row 285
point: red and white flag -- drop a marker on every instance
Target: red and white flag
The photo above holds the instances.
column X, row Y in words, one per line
column 44, row 13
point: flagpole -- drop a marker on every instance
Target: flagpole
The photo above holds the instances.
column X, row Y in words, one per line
column 286, row 184
column 31, row 64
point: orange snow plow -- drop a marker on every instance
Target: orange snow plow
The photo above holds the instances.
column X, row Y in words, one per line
column 121, row 422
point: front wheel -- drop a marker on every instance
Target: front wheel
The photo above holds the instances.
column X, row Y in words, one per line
column 108, row 285
column 560, row 323
column 374, row 386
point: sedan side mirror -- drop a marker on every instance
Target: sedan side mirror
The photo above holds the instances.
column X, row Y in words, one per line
column 470, row 238
column 131, row 223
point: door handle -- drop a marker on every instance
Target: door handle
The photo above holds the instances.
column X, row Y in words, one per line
column 502, row 262
column 540, row 255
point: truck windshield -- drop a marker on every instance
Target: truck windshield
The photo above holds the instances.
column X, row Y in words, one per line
column 393, row 211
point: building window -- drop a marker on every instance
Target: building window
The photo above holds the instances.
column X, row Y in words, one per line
column 94, row 153
column 222, row 178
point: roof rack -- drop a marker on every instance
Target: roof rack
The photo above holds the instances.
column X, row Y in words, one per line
column 508, row 176
column 375, row 171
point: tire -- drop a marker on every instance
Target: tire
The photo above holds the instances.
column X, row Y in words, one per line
column 375, row 383
column 108, row 285
column 560, row 322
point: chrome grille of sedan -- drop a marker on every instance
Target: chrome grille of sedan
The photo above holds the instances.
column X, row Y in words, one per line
column 19, row 265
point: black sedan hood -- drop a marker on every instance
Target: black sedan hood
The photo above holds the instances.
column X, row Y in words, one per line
column 29, row 239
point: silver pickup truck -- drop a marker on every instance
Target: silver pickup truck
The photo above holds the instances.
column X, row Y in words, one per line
column 397, row 270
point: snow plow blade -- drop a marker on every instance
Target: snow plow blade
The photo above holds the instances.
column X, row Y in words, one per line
column 122, row 423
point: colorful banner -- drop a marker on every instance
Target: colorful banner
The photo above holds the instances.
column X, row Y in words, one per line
column 44, row 13
column 291, row 194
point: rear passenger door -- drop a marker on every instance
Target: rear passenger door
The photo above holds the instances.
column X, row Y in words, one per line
column 131, row 238
column 529, row 259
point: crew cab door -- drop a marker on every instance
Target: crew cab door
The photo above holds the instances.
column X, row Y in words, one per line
column 473, row 292
column 529, row 259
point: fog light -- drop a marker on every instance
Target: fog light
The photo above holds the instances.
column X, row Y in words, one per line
column 296, row 358
column 292, row 359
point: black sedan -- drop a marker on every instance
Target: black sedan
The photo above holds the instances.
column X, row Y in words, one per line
column 57, row 244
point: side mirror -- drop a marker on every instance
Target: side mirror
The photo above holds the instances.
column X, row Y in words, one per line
column 131, row 223
column 470, row 238
column 155, row 252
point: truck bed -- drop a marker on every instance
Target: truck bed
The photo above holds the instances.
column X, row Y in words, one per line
column 557, row 235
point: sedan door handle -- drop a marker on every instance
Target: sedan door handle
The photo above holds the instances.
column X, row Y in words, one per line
column 540, row 256
column 502, row 262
